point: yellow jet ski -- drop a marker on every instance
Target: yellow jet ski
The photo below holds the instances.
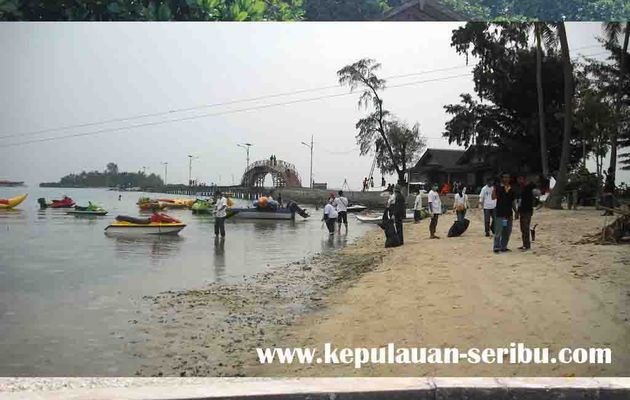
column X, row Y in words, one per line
column 157, row 224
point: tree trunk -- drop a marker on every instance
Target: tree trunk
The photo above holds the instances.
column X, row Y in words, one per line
column 615, row 134
column 555, row 199
column 544, row 157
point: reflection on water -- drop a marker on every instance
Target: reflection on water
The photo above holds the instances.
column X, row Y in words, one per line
column 62, row 280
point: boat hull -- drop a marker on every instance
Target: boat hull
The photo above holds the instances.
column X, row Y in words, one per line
column 255, row 214
column 142, row 229
column 12, row 202
column 356, row 209
column 375, row 219
column 94, row 213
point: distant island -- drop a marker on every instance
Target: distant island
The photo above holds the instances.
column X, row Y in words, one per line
column 110, row 178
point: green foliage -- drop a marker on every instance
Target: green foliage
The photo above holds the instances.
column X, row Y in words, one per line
column 586, row 183
column 345, row 10
column 396, row 144
column 542, row 10
column 505, row 120
column 111, row 177
column 150, row 10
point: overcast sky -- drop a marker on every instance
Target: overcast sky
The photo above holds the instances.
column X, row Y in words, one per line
column 59, row 74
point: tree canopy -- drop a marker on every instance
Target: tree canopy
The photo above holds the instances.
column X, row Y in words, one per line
column 111, row 177
column 542, row 10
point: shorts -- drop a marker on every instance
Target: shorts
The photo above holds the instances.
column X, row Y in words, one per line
column 342, row 217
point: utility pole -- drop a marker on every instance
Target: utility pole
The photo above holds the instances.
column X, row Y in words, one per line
column 246, row 146
column 310, row 146
column 190, row 160
column 165, row 172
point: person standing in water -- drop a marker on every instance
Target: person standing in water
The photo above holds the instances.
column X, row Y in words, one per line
column 341, row 205
column 330, row 215
column 435, row 208
column 220, row 213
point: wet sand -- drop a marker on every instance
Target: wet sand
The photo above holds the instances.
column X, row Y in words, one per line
column 452, row 292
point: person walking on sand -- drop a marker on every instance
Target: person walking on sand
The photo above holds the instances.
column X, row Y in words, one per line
column 330, row 215
column 505, row 196
column 489, row 205
column 220, row 213
column 341, row 205
column 460, row 203
column 529, row 191
column 435, row 208
column 417, row 208
column 397, row 209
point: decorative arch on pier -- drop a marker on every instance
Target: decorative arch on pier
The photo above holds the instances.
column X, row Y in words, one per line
column 283, row 174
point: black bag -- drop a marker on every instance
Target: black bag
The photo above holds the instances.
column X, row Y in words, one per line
column 391, row 236
column 458, row 228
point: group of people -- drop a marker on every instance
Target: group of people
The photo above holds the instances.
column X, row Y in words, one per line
column 502, row 201
column 336, row 211
column 368, row 183
column 273, row 160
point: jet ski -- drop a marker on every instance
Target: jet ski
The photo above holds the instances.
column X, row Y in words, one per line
column 91, row 209
column 156, row 224
column 202, row 206
column 65, row 202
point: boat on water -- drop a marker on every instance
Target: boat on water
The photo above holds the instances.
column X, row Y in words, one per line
column 147, row 204
column 373, row 218
column 5, row 183
column 90, row 210
column 268, row 212
column 356, row 208
column 65, row 202
column 176, row 203
column 6, row 204
column 156, row 224
column 202, row 206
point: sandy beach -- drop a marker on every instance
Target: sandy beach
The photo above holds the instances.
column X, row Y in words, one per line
column 452, row 292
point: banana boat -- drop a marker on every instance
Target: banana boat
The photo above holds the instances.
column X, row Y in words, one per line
column 6, row 204
column 157, row 224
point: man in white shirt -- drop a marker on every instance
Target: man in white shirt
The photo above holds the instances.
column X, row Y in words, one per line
column 330, row 216
column 489, row 205
column 417, row 206
column 435, row 208
column 220, row 213
column 460, row 203
column 341, row 205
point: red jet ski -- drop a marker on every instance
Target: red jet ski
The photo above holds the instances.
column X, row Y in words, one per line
column 66, row 202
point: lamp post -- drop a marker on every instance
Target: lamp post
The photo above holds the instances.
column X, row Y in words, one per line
column 246, row 146
column 310, row 146
column 190, row 160
column 165, row 172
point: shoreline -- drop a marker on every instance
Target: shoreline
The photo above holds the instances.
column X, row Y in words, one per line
column 452, row 292
column 213, row 331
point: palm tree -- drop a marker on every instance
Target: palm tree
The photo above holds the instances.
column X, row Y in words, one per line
column 555, row 199
column 544, row 33
column 613, row 31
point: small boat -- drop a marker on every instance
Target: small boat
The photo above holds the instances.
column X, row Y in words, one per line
column 6, row 204
column 65, row 202
column 156, row 224
column 279, row 213
column 356, row 208
column 202, row 206
column 91, row 209
column 5, row 183
column 147, row 204
column 376, row 218
column 176, row 203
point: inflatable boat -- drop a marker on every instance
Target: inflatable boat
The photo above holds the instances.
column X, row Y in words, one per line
column 157, row 224
column 6, row 204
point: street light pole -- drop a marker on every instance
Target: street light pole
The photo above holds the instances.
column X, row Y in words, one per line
column 246, row 146
column 190, row 160
column 310, row 147
column 165, row 172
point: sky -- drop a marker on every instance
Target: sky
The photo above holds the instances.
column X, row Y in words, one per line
column 55, row 75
